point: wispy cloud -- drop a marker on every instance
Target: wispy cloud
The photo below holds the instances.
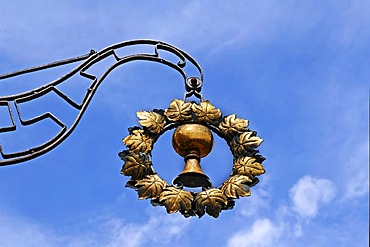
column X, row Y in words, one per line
column 345, row 147
column 111, row 232
column 159, row 230
column 283, row 225
column 357, row 164
column 188, row 25
column 309, row 194
column 17, row 231
column 296, row 222
column 263, row 232
column 317, row 43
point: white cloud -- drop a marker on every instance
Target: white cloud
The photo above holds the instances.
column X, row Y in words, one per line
column 309, row 193
column 159, row 229
column 262, row 233
column 346, row 143
column 184, row 28
column 15, row 231
column 357, row 165
column 241, row 22
column 280, row 226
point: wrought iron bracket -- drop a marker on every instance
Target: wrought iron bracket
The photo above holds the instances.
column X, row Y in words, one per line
column 193, row 86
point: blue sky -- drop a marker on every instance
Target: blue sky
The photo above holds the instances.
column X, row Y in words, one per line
column 297, row 71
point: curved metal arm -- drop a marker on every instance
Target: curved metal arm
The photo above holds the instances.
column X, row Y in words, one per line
column 193, row 86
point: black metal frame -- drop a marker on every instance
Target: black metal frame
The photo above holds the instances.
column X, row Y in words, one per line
column 193, row 86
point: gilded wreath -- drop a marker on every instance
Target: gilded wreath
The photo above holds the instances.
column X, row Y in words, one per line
column 247, row 164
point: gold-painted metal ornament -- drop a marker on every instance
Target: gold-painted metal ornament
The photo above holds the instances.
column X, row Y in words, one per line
column 193, row 140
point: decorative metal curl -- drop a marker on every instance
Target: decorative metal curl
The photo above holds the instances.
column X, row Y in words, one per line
column 193, row 86
column 138, row 165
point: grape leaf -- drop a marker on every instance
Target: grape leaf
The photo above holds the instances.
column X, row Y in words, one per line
column 136, row 165
column 150, row 186
column 176, row 199
column 205, row 111
column 178, row 111
column 153, row 121
column 233, row 125
column 245, row 142
column 236, row 186
column 211, row 201
column 138, row 141
column 248, row 166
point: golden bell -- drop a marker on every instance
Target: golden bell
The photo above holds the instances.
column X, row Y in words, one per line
column 192, row 141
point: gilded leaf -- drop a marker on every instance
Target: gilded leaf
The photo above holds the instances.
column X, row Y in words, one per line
column 153, row 121
column 245, row 143
column 211, row 201
column 248, row 166
column 138, row 141
column 150, row 186
column 236, row 186
column 136, row 165
column 176, row 199
column 178, row 111
column 205, row 111
column 231, row 124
